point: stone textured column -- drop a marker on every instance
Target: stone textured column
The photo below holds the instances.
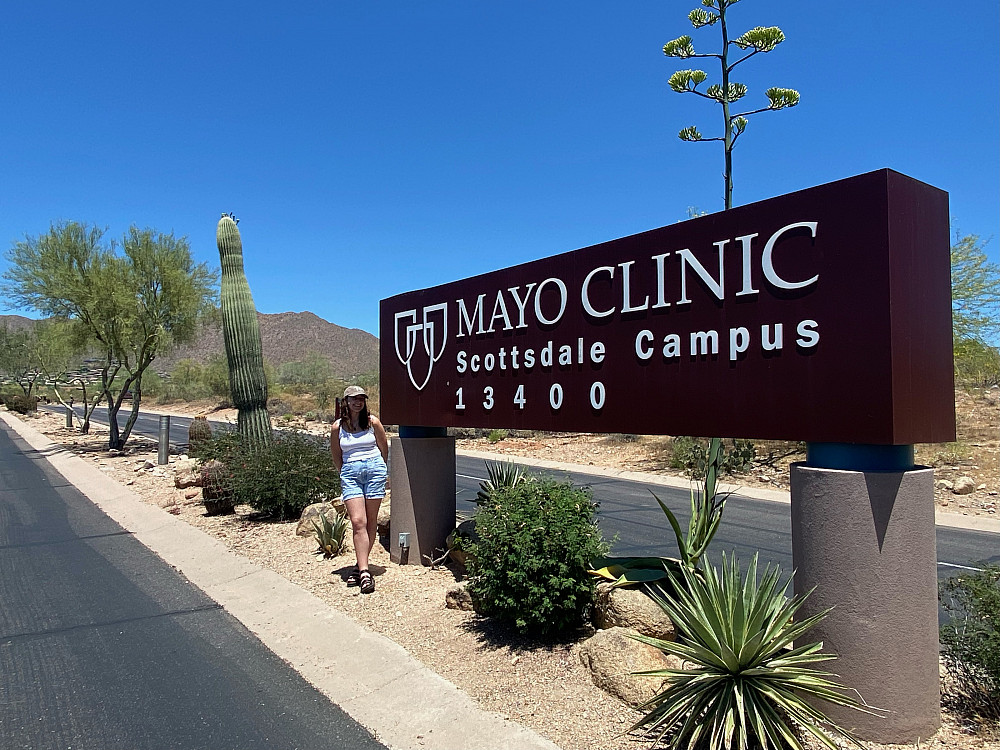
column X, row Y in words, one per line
column 422, row 471
column 865, row 540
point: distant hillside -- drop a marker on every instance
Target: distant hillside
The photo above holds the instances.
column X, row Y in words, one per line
column 16, row 322
column 287, row 337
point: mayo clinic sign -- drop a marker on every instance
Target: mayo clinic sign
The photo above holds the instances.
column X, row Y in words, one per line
column 822, row 315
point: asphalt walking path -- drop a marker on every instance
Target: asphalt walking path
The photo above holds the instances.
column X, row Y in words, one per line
column 122, row 626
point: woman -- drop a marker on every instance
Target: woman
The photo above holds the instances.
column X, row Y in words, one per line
column 360, row 449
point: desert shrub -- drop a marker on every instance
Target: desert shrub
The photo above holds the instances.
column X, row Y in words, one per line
column 536, row 541
column 495, row 436
column 20, row 403
column 691, row 455
column 970, row 643
column 281, row 479
column 976, row 364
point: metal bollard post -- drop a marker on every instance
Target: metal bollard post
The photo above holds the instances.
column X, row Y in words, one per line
column 164, row 453
column 69, row 417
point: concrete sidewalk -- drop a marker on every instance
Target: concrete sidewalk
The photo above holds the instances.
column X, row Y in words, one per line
column 370, row 677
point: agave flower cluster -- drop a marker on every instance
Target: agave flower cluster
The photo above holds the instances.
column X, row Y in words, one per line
column 747, row 685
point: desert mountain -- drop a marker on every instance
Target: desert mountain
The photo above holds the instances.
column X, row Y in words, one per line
column 286, row 337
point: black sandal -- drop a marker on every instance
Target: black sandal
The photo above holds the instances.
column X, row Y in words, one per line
column 366, row 582
column 353, row 576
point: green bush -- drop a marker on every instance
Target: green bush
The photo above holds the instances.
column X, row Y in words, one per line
column 20, row 403
column 691, row 455
column 971, row 643
column 495, row 436
column 976, row 364
column 536, row 542
column 281, row 479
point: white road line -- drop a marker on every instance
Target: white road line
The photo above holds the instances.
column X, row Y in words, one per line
column 962, row 567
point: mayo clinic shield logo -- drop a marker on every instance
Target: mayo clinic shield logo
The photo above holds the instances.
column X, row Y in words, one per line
column 421, row 342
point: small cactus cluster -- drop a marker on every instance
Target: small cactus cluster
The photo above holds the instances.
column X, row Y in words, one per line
column 241, row 333
column 199, row 434
column 217, row 489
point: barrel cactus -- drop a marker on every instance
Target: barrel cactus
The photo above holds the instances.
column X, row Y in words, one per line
column 241, row 334
column 199, row 433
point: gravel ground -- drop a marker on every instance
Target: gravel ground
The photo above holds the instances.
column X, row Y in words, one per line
column 545, row 687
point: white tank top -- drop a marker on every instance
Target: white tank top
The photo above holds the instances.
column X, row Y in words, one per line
column 358, row 446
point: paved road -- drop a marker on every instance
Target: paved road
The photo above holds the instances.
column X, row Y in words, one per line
column 103, row 646
column 629, row 511
column 749, row 525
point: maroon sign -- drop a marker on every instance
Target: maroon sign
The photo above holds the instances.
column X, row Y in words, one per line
column 823, row 315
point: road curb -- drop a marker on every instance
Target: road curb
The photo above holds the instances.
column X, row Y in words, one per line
column 378, row 683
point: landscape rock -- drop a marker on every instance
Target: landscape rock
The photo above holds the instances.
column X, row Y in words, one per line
column 458, row 597
column 384, row 515
column 187, row 479
column 964, row 486
column 465, row 531
column 944, row 484
column 611, row 657
column 192, row 494
column 631, row 607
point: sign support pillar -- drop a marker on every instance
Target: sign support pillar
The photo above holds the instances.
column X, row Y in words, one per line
column 422, row 473
column 863, row 536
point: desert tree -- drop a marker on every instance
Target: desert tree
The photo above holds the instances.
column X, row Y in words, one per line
column 975, row 291
column 17, row 357
column 727, row 92
column 128, row 306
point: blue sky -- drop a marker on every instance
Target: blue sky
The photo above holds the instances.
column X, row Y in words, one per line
column 373, row 148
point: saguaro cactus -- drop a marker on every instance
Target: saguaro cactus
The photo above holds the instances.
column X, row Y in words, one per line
column 241, row 333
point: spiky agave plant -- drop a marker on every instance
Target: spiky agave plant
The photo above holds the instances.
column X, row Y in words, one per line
column 748, row 686
column 500, row 474
column 241, row 333
column 330, row 534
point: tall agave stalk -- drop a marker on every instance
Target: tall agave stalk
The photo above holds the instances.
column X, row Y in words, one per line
column 241, row 334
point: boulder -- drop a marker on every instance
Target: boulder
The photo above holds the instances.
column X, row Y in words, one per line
column 312, row 513
column 964, row 486
column 458, row 597
column 612, row 656
column 384, row 515
column 183, row 480
column 631, row 607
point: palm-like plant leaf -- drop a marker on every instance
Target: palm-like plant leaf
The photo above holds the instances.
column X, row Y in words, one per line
column 746, row 686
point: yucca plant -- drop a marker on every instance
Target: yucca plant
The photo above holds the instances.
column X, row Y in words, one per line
column 707, row 505
column 500, row 474
column 330, row 534
column 748, row 687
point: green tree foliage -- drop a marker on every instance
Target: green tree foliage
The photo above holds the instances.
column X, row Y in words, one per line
column 313, row 370
column 17, row 360
column 975, row 299
column 975, row 291
column 728, row 92
column 128, row 305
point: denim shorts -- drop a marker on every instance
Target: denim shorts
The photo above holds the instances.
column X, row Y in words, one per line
column 364, row 478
